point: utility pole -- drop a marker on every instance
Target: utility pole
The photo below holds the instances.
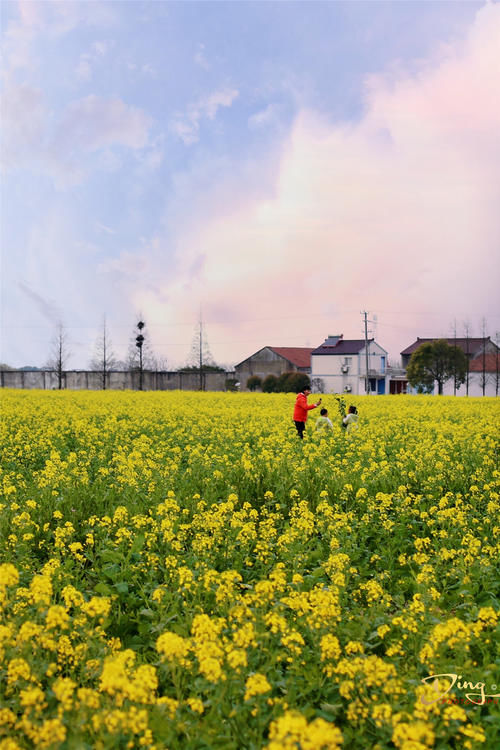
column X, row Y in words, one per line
column 367, row 380
column 455, row 357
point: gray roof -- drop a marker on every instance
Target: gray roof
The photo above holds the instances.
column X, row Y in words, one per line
column 472, row 345
column 343, row 346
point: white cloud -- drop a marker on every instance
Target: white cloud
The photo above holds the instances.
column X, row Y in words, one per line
column 128, row 264
column 88, row 60
column 37, row 19
column 149, row 70
column 45, row 140
column 94, row 122
column 86, row 126
column 23, row 121
column 187, row 126
column 100, row 48
column 84, row 69
column 213, row 102
column 200, row 58
column 152, row 156
column 105, row 228
column 266, row 117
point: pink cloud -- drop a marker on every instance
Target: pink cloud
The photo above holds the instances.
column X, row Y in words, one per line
column 397, row 214
column 93, row 122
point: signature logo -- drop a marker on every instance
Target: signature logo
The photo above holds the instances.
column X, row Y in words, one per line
column 454, row 680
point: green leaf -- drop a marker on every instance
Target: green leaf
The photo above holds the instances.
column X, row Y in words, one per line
column 111, row 571
column 102, row 588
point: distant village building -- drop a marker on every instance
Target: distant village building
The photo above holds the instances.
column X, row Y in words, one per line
column 491, row 376
column 471, row 347
column 483, row 356
column 339, row 366
column 274, row 360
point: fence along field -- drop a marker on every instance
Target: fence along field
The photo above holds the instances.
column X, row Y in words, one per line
column 177, row 570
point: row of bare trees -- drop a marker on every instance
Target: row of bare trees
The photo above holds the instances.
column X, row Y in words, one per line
column 140, row 356
column 486, row 375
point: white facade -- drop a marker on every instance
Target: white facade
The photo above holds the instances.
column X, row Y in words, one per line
column 475, row 386
column 346, row 372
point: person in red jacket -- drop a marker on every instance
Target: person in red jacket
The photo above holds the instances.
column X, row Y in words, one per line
column 301, row 409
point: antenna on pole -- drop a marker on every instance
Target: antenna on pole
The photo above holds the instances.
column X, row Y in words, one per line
column 139, row 341
column 367, row 380
column 201, row 351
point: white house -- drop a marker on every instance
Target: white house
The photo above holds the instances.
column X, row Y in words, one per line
column 339, row 366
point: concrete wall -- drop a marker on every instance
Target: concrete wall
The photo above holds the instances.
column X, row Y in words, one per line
column 88, row 380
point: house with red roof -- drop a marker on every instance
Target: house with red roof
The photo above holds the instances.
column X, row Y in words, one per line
column 274, row 360
column 352, row 366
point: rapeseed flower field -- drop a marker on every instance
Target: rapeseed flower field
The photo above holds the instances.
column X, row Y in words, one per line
column 178, row 570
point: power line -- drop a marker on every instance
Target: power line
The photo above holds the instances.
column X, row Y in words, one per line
column 250, row 320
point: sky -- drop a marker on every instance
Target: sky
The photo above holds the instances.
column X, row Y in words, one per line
column 274, row 169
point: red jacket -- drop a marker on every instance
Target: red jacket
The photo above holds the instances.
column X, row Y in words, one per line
column 301, row 408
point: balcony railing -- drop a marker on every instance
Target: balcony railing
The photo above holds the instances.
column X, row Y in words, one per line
column 392, row 372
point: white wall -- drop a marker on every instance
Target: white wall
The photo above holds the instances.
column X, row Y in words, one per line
column 475, row 387
column 331, row 364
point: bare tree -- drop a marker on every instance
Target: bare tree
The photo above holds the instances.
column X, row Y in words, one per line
column 200, row 358
column 467, row 333
column 497, row 362
column 59, row 353
column 484, row 379
column 455, row 383
column 104, row 359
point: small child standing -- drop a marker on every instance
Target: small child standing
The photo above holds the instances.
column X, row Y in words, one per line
column 323, row 423
column 350, row 421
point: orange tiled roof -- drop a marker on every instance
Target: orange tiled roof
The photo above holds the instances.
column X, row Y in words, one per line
column 298, row 355
column 491, row 365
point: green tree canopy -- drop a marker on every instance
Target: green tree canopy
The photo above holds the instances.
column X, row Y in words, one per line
column 436, row 361
column 297, row 381
column 269, row 384
column 287, row 382
column 254, row 382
